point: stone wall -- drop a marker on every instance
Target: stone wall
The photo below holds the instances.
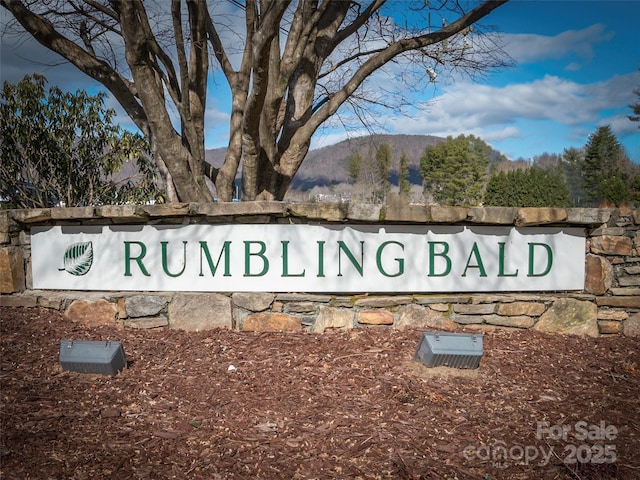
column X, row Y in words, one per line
column 608, row 305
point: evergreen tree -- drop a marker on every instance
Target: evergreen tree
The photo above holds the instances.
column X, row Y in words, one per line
column 498, row 192
column 531, row 187
column 604, row 160
column 404, row 184
column 62, row 148
column 383, row 169
column 571, row 163
column 454, row 171
column 354, row 166
column 614, row 189
column 634, row 189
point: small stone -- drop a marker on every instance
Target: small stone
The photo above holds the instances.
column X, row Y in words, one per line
column 521, row 308
column 53, row 302
column 26, row 299
column 375, row 317
column 92, row 314
column 271, row 322
column 382, row 302
column 611, row 245
column 398, row 209
column 330, row 318
column 145, row 305
column 617, row 315
column 448, row 214
column 629, row 301
column 493, row 215
column 12, row 278
column 570, row 316
column 632, row 270
column 200, row 311
column 419, row 317
column 429, row 299
column 474, row 309
column 516, row 321
column 588, row 216
column 631, row 326
column 331, row 212
column 609, row 327
column 72, row 213
column 439, row 307
column 540, row 216
column 301, row 307
column 119, row 213
column 629, row 281
column 598, row 275
column 253, row 301
column 145, row 323
column 364, row 212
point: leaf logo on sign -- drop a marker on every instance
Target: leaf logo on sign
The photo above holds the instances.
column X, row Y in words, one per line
column 78, row 258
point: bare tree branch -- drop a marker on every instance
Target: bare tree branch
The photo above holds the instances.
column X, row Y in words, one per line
column 290, row 67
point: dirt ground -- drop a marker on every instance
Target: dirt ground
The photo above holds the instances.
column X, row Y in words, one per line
column 229, row 405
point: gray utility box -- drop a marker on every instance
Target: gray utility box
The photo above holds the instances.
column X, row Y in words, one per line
column 458, row 350
column 92, row 356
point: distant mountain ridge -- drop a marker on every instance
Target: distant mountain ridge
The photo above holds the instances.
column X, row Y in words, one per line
column 328, row 165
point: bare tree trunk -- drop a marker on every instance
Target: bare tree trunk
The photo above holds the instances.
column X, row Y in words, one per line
column 170, row 189
column 281, row 93
column 186, row 170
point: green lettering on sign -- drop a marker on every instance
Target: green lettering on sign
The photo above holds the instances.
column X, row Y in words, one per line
column 400, row 261
column 532, row 259
column 342, row 247
column 443, row 254
column 501, row 256
column 475, row 253
column 321, row 258
column 260, row 254
column 285, row 261
column 165, row 263
column 204, row 248
column 128, row 258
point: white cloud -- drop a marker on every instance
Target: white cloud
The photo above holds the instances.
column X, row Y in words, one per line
column 530, row 48
column 467, row 108
column 620, row 125
column 502, row 134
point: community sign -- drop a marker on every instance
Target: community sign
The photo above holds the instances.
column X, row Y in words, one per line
column 307, row 258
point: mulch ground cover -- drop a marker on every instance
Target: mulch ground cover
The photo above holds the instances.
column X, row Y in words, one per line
column 223, row 404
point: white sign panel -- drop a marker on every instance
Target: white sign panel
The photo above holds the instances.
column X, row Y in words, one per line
column 307, row 258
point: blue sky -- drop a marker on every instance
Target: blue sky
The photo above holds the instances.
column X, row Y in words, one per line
column 576, row 65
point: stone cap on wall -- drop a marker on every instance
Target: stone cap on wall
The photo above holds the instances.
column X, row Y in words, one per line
column 395, row 211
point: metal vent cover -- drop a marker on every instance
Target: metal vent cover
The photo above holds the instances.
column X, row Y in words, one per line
column 92, row 356
column 457, row 350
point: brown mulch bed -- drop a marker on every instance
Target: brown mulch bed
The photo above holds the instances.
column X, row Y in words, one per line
column 298, row 405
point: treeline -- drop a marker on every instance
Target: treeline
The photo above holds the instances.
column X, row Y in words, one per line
column 466, row 171
column 60, row 148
